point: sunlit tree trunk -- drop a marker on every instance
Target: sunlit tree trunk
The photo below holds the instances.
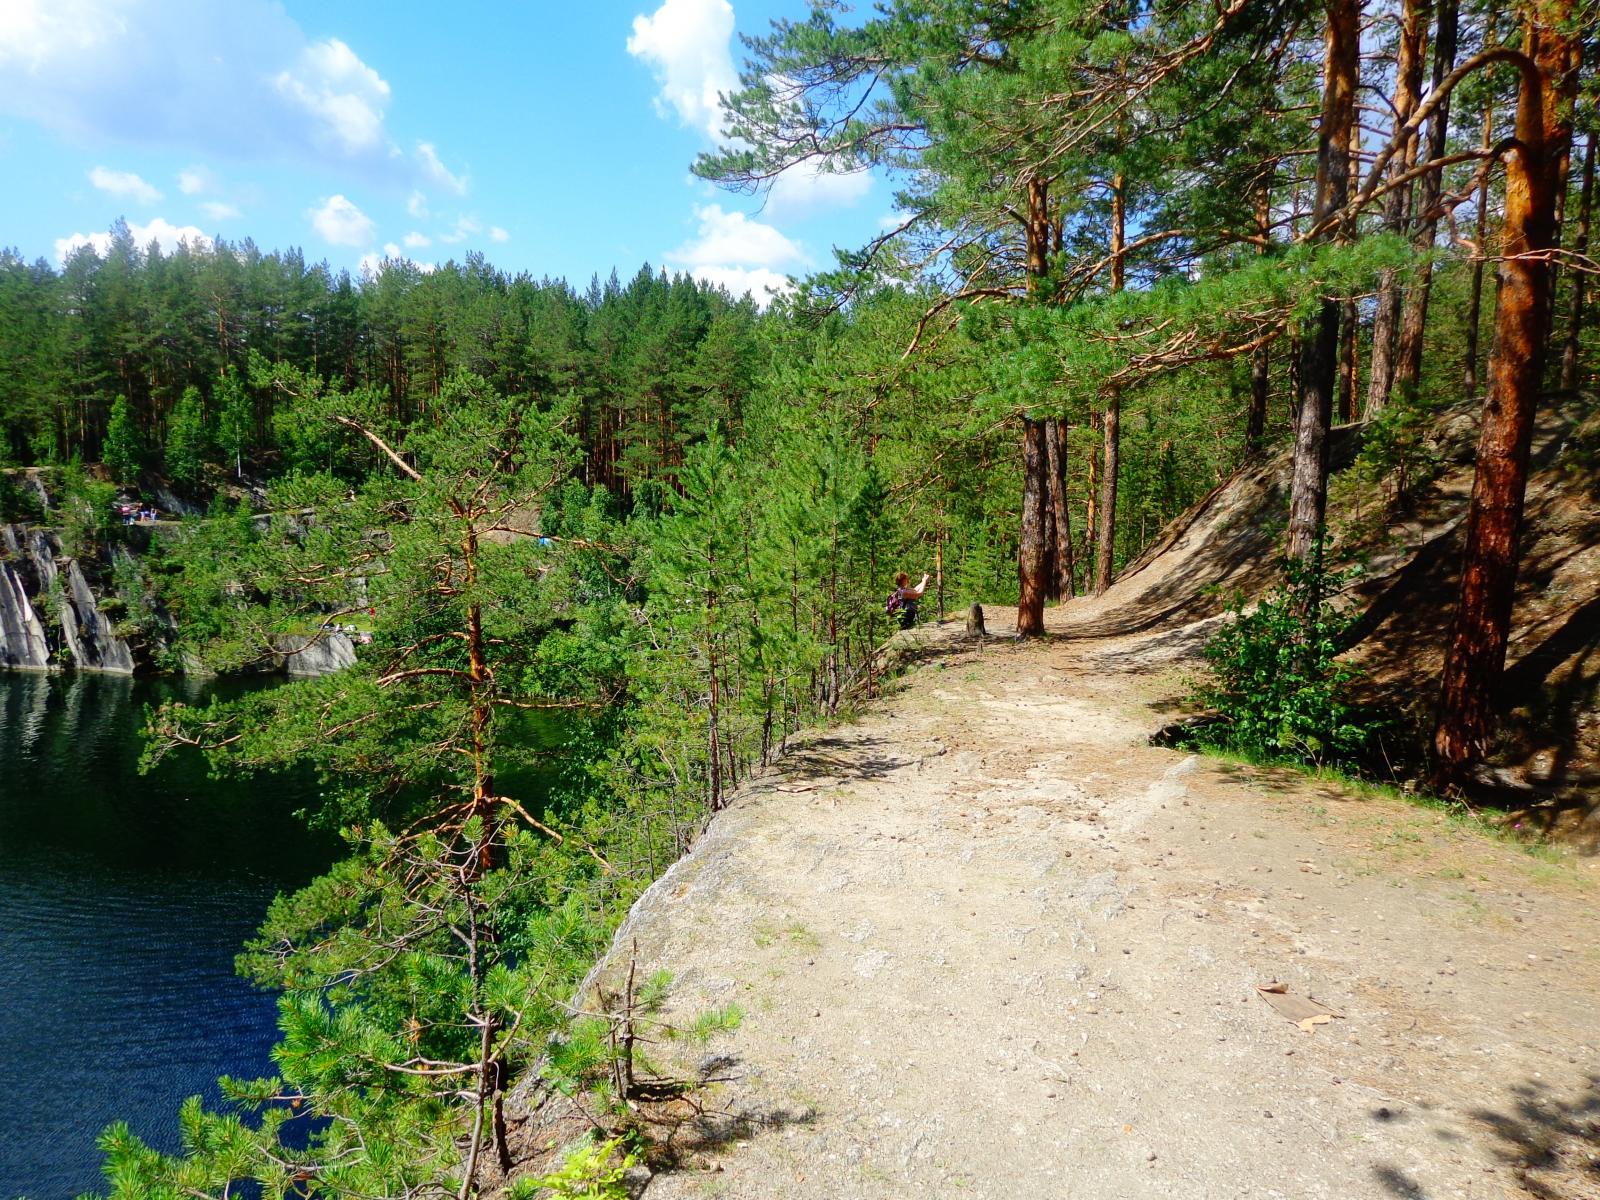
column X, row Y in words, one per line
column 1476, row 656
column 1469, row 375
column 1033, row 549
column 1032, row 553
column 1111, row 425
column 1407, row 94
column 1580, row 245
column 1055, row 434
column 1408, row 359
column 1308, row 501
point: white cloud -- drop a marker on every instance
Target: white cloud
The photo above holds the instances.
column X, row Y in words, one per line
column 465, row 227
column 344, row 97
column 686, row 43
column 497, row 234
column 242, row 80
column 373, row 262
column 416, row 240
column 437, row 171
column 159, row 230
column 123, row 184
column 32, row 31
column 731, row 238
column 807, row 188
column 194, row 180
column 341, row 223
column 218, row 211
column 742, row 255
column 761, row 283
column 417, row 206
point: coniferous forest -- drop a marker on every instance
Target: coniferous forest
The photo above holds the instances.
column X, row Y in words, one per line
column 607, row 547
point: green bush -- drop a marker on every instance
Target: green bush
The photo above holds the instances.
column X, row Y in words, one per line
column 591, row 1171
column 1277, row 683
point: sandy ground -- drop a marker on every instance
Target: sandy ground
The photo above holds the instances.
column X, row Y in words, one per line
column 991, row 943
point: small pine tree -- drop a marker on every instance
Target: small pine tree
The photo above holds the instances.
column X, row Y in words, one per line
column 235, row 420
column 188, row 442
column 122, row 452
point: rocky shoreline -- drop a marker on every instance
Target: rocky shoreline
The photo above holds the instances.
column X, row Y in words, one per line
column 52, row 620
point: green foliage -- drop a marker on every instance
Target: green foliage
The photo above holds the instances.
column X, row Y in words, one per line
column 1397, row 450
column 123, row 449
column 590, row 1170
column 235, row 419
column 1277, row 683
column 188, row 444
column 85, row 519
column 19, row 500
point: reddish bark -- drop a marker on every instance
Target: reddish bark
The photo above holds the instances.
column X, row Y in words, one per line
column 1033, row 543
column 1055, row 444
column 1476, row 656
column 1031, row 553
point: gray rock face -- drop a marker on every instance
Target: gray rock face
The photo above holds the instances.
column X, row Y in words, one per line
column 22, row 639
column 97, row 647
column 332, row 652
column 32, row 570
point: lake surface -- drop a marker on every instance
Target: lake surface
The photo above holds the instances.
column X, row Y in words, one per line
column 123, row 901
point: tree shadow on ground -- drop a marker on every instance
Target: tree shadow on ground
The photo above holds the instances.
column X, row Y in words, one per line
column 683, row 1135
column 846, row 758
column 1548, row 1141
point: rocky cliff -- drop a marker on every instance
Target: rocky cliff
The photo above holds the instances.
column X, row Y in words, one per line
column 49, row 615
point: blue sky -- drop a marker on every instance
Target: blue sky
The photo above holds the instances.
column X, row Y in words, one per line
column 553, row 137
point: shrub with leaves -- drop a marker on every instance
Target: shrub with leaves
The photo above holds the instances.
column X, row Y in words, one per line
column 590, row 1171
column 1277, row 682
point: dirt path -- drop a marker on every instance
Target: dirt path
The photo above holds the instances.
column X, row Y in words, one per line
column 990, row 943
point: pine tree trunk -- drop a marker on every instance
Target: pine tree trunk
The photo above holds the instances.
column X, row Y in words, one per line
column 1469, row 374
column 1111, row 426
column 1031, row 553
column 1396, row 204
column 1106, row 536
column 1056, row 461
column 1255, row 430
column 1308, row 500
column 1413, row 322
column 1091, row 493
column 1349, row 361
column 1052, row 564
column 1580, row 245
column 1476, row 657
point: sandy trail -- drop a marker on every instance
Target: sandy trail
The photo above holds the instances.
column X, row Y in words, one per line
column 990, row 943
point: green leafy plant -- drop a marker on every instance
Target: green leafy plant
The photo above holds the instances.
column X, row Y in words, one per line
column 1278, row 684
column 1396, row 448
column 590, row 1171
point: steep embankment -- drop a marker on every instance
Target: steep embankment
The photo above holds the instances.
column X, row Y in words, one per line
column 1410, row 549
column 991, row 943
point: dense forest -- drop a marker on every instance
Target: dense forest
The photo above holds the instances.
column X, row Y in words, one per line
column 625, row 540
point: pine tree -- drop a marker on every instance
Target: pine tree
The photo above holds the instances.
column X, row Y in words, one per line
column 122, row 449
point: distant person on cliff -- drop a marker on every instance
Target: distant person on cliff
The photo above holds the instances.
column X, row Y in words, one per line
column 902, row 601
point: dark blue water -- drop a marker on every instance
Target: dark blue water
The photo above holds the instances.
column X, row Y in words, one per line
column 123, row 901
